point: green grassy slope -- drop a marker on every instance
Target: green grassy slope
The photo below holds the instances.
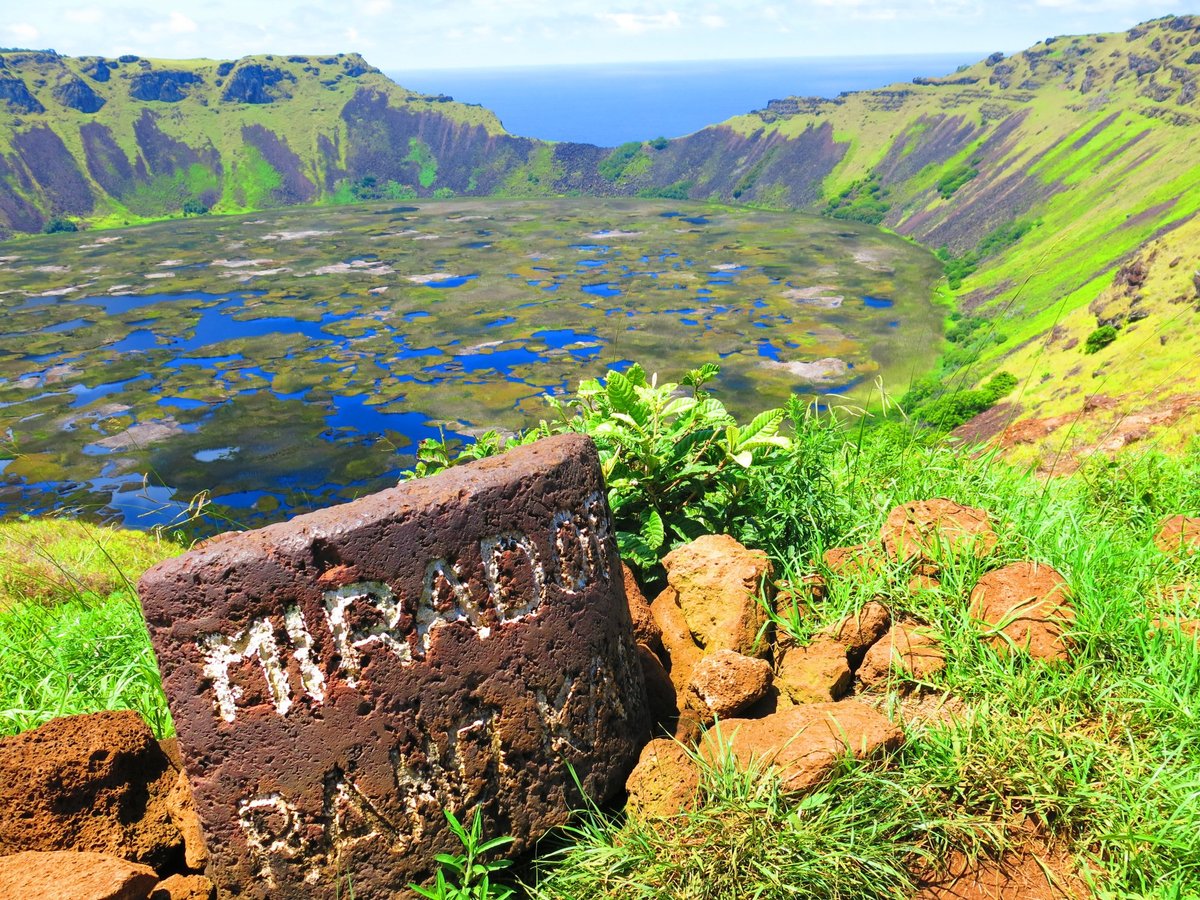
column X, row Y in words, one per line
column 112, row 142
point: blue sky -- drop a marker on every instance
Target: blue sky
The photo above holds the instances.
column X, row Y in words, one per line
column 401, row 34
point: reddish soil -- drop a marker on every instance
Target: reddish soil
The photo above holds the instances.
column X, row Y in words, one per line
column 1033, row 872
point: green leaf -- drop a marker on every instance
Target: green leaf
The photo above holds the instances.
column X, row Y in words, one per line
column 653, row 532
column 764, row 425
column 744, row 459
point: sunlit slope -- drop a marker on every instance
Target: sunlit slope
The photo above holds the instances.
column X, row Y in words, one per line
column 107, row 141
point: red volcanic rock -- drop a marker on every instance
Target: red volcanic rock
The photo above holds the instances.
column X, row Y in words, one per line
column 98, row 783
column 457, row 642
column 725, row 683
column 907, row 648
column 924, row 531
column 663, row 783
column 815, row 673
column 1028, row 605
column 804, row 743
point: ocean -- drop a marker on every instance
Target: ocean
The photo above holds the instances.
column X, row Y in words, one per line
column 610, row 104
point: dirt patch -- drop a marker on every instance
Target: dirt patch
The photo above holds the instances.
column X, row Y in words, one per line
column 1033, row 871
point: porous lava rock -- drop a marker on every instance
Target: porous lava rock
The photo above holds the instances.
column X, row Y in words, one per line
column 1027, row 604
column 717, row 582
column 458, row 642
column 1178, row 536
column 97, row 783
column 660, row 692
column 184, row 887
column 925, row 531
column 907, row 648
column 725, row 683
column 664, row 781
column 814, row 673
column 804, row 743
column 859, row 560
column 71, row 875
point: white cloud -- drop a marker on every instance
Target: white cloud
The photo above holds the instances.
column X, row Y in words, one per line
column 22, row 32
column 178, row 23
column 84, row 15
column 639, row 23
column 713, row 21
column 376, row 7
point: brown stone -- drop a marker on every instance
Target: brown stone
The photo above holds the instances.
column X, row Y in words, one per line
column 679, row 647
column 725, row 683
column 1028, row 606
column 717, row 582
column 860, row 560
column 815, row 673
column 804, row 743
column 859, row 631
column 645, row 629
column 660, row 692
column 663, row 783
column 924, row 531
column 480, row 658
column 71, row 875
column 1178, row 536
column 97, row 782
column 184, row 887
column 907, row 648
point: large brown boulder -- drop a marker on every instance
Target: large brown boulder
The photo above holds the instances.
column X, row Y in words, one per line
column 1178, row 536
column 908, row 649
column 725, row 683
column 461, row 642
column 99, row 783
column 717, row 583
column 804, row 743
column 814, row 673
column 924, row 532
column 664, row 782
column 70, row 875
column 1027, row 606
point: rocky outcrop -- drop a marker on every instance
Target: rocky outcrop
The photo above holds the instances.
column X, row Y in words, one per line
column 717, row 583
column 925, row 532
column 163, row 85
column 818, row 672
column 15, row 93
column 256, row 83
column 911, row 651
column 76, row 94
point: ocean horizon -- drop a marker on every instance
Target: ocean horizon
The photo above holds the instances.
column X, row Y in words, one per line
column 610, row 104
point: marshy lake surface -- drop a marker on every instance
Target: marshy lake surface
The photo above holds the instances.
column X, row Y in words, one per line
column 290, row 360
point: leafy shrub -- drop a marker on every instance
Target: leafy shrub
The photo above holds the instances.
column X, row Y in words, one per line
column 680, row 190
column 193, row 207
column 678, row 465
column 659, row 143
column 958, row 268
column 1099, row 339
column 951, row 410
column 622, row 161
column 59, row 225
column 863, row 201
column 949, row 183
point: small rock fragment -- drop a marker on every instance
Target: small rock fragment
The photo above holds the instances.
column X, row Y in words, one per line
column 645, row 629
column 184, row 887
column 725, row 683
column 815, row 673
column 908, row 648
column 859, row 631
column 678, row 645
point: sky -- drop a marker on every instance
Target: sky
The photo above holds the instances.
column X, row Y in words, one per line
column 405, row 34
